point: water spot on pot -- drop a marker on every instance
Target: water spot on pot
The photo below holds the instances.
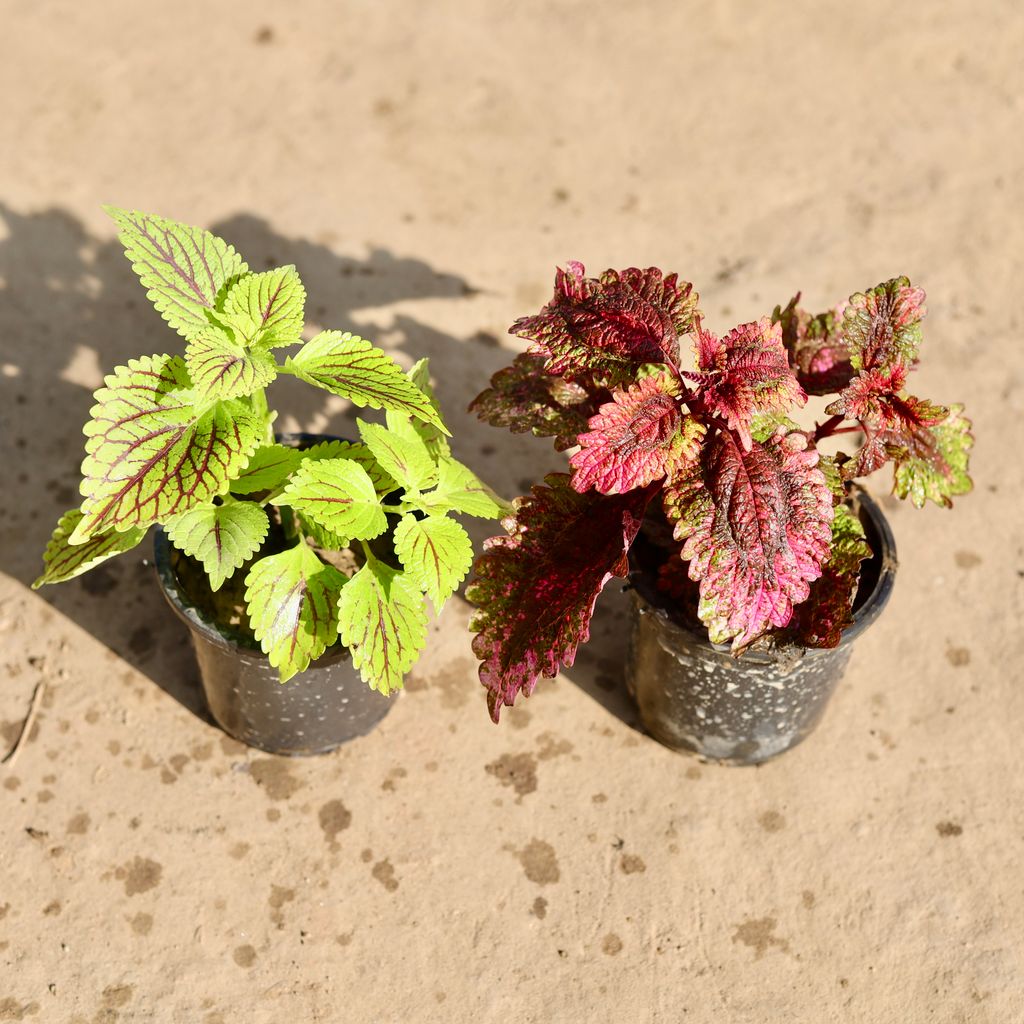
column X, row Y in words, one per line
column 141, row 642
column 759, row 935
column 539, row 862
column 414, row 683
column 967, row 559
column 12, row 783
column 167, row 777
column 178, row 762
column 611, row 944
column 115, row 997
column 273, row 814
column 334, row 817
column 139, row 875
column 516, row 770
column 14, row 1009
column 631, row 864
column 539, row 908
column 807, row 898
column 273, row 776
column 517, row 716
column 92, row 716
column 366, row 856
column 114, row 747
column 947, row 829
column 148, row 762
column 599, row 798
column 344, row 939
column 279, row 896
column 552, row 746
column 79, row 824
column 385, row 874
column 389, row 785
column 440, row 997
column 958, row 657
column 693, row 772
column 244, row 956
column 264, row 36
column 4, row 910
column 202, row 751
column 52, row 909
column 142, row 924
column 772, row 821
column 239, row 850
column 230, row 747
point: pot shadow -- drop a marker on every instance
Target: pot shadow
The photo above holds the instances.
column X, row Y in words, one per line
column 72, row 310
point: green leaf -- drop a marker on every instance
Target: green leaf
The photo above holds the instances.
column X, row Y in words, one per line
column 63, row 560
column 223, row 537
column 183, row 268
column 152, row 453
column 292, row 599
column 339, row 495
column 403, row 456
column 383, row 622
column 459, row 490
column 357, row 453
column 436, row 552
column 269, row 467
column 764, row 424
column 434, row 438
column 267, row 309
column 938, row 471
column 222, row 368
column 351, row 367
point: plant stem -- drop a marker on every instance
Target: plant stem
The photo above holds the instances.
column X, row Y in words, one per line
column 828, row 428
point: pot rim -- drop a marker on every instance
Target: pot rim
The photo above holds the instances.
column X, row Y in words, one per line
column 224, row 637
column 864, row 614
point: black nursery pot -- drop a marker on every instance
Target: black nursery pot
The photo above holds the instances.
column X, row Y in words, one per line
column 694, row 696
column 314, row 712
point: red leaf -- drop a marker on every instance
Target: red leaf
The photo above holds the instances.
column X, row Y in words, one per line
column 757, row 529
column 525, row 397
column 883, row 325
column 535, row 589
column 746, row 372
column 817, row 349
column 611, row 325
column 634, row 438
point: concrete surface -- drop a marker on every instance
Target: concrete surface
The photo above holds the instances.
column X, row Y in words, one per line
column 426, row 166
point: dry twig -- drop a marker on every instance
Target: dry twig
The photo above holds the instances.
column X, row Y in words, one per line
column 26, row 728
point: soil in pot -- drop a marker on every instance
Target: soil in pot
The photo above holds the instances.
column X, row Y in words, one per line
column 695, row 696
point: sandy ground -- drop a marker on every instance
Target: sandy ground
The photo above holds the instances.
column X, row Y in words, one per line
column 426, row 165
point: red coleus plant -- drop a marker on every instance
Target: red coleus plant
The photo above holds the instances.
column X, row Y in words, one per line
column 758, row 514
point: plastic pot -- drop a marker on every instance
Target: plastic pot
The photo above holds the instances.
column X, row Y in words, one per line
column 313, row 713
column 695, row 696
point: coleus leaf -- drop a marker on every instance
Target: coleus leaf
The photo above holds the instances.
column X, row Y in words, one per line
column 525, row 397
column 152, row 452
column 436, row 552
column 383, row 623
column 223, row 537
column 351, row 367
column 63, row 560
column 404, row 457
column 266, row 309
column 612, row 324
column 382, row 482
column 434, row 438
column 185, row 269
column 819, row 621
column 635, row 438
column 818, row 352
column 268, row 468
column 535, row 589
column 339, row 495
column 292, row 600
column 883, row 325
column 744, row 373
column 460, row 490
column 756, row 523
column 222, row 368
column 936, row 470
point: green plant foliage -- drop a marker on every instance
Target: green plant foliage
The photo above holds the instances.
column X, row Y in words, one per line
column 186, row 441
column 223, row 537
column 383, row 623
column 292, row 599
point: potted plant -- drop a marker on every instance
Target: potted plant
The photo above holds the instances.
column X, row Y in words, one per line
column 751, row 538
column 292, row 556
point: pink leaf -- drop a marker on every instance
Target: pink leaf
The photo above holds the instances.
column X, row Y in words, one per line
column 535, row 589
column 612, row 324
column 757, row 529
column 817, row 350
column 524, row 397
column 746, row 372
column 634, row 438
column 883, row 325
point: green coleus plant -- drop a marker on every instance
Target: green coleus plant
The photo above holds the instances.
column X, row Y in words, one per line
column 760, row 541
column 187, row 442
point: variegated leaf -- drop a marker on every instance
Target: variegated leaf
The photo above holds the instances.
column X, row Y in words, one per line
column 63, row 560
column 460, row 490
column 383, row 483
column 436, row 552
column 292, row 600
column 883, row 325
column 268, row 468
column 937, row 471
column 222, row 368
column 152, row 452
column 402, row 456
column 339, row 495
column 185, row 269
column 266, row 309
